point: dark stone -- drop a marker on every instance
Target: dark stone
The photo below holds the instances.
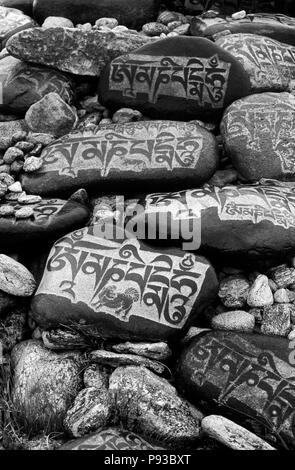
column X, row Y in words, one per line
column 11, row 22
column 86, row 52
column 279, row 27
column 131, row 13
column 26, row 6
column 143, row 155
column 246, row 377
column 7, row 303
column 24, row 84
column 237, row 222
column 122, row 289
column 52, row 218
column 258, row 134
column 192, row 78
column 111, row 439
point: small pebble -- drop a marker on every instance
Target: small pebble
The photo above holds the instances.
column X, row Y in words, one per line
column 108, row 22
column 260, row 293
column 24, row 146
column 11, row 154
column 12, row 196
column 16, row 167
column 15, row 187
column 29, row 199
column 32, row 164
column 40, row 138
column 155, row 29
column 36, row 150
column 236, row 320
column 24, row 213
column 57, row 22
column 182, row 29
column 125, row 115
column 281, row 296
column 120, row 29
column 6, row 210
column 239, row 15
column 7, row 179
column 19, row 136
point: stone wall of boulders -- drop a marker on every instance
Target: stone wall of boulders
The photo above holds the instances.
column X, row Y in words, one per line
column 177, row 120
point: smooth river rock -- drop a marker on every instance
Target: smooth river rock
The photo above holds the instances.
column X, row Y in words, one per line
column 122, row 289
column 86, row 52
column 258, row 135
column 111, row 439
column 23, row 84
column 238, row 222
column 148, row 154
column 131, row 13
column 51, row 219
column 247, row 377
column 269, row 63
column 11, row 22
column 26, row 6
column 278, row 27
column 178, row 77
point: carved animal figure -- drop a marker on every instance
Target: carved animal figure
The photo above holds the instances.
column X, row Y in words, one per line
column 120, row 302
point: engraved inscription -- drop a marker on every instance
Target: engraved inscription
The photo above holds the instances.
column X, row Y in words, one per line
column 254, row 203
column 122, row 280
column 199, row 79
column 131, row 147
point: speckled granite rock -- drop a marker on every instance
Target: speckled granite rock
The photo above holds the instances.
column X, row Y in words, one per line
column 45, row 383
column 86, row 52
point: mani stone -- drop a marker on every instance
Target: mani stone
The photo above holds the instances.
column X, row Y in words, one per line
column 111, row 439
column 45, row 384
column 23, row 84
column 278, row 27
column 149, row 154
column 151, row 405
column 122, row 288
column 270, row 64
column 177, row 77
column 258, row 135
column 52, row 218
column 131, row 13
column 86, row 52
column 235, row 222
column 247, row 377
column 11, row 22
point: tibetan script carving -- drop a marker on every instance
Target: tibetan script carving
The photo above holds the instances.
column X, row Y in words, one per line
column 199, row 79
column 130, row 147
column 122, row 280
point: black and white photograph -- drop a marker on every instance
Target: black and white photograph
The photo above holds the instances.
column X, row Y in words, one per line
column 147, row 229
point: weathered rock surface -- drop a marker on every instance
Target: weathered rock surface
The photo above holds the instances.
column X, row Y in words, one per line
column 118, row 300
column 150, row 154
column 233, row 291
column 129, row 13
column 15, row 279
column 151, row 405
column 24, row 84
column 260, row 294
column 232, row 435
column 277, row 319
column 91, row 410
column 235, row 320
column 8, row 130
column 112, row 359
column 111, row 439
column 45, row 384
column 51, row 114
column 245, row 377
column 270, row 64
column 11, row 22
column 157, row 351
column 186, row 84
column 12, row 328
column 97, row 376
column 72, row 50
column 258, row 134
column 62, row 339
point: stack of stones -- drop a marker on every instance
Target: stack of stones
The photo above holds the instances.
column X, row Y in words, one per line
column 175, row 126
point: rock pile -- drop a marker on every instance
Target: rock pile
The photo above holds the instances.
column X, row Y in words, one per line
column 147, row 226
